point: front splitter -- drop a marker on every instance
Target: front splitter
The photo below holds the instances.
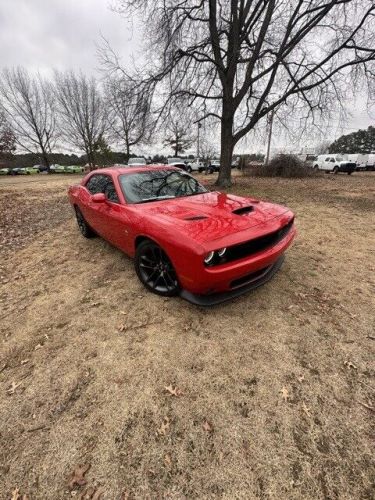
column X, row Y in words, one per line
column 217, row 298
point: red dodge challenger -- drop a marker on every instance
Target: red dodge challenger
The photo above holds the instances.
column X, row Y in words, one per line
column 205, row 246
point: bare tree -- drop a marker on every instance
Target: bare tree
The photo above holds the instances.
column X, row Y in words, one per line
column 28, row 104
column 82, row 112
column 178, row 131
column 7, row 137
column 130, row 119
column 240, row 60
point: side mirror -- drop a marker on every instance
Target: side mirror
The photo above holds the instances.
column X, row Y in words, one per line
column 98, row 198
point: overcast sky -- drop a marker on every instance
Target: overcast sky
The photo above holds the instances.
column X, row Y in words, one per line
column 62, row 34
column 43, row 34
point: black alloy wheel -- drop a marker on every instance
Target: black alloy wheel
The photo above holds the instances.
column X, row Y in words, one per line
column 85, row 229
column 155, row 270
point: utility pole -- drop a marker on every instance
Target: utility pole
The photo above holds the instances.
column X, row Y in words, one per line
column 199, row 126
column 269, row 138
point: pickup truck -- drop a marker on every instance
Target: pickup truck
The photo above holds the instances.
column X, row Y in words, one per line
column 334, row 163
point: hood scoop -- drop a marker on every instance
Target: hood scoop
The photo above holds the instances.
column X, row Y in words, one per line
column 196, row 217
column 243, row 210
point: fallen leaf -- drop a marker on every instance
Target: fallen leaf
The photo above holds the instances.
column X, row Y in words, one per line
column 168, row 460
column 13, row 387
column 87, row 494
column 16, row 494
column 207, row 426
column 301, row 378
column 24, row 361
column 98, row 494
column 349, row 364
column 77, row 477
column 285, row 393
column 38, row 346
column 121, row 328
column 371, row 408
column 306, row 410
column 164, row 427
column 173, row 392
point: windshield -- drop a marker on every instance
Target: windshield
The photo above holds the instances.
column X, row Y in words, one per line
column 153, row 185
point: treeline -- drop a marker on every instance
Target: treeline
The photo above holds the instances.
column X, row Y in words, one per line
column 71, row 111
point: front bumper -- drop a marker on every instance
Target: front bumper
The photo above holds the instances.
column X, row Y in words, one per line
column 253, row 283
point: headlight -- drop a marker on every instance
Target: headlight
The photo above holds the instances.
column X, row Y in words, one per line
column 209, row 257
column 221, row 252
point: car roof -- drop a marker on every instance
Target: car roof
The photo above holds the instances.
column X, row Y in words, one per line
column 132, row 170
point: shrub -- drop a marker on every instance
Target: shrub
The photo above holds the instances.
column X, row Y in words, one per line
column 283, row 165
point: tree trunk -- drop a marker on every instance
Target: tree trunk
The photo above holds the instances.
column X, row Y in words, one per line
column 46, row 161
column 127, row 151
column 226, row 152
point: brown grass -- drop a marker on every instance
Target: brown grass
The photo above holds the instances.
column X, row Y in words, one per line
column 274, row 388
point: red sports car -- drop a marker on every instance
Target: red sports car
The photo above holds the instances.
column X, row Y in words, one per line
column 206, row 246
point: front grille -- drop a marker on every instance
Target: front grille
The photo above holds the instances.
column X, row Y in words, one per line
column 258, row 244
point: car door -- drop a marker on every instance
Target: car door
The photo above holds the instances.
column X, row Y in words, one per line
column 109, row 218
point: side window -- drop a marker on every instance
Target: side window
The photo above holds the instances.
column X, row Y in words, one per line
column 333, row 160
column 95, row 184
column 110, row 191
column 328, row 159
column 102, row 184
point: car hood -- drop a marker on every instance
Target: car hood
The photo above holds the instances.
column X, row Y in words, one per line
column 212, row 216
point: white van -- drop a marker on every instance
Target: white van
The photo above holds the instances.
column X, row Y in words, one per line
column 370, row 163
column 358, row 158
column 334, row 163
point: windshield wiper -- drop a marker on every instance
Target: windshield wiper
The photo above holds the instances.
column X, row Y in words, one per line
column 156, row 198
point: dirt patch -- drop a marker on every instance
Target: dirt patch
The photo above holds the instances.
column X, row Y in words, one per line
column 274, row 389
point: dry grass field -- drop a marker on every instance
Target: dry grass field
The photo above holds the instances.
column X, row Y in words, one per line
column 269, row 396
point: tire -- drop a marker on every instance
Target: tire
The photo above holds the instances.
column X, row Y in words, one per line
column 335, row 170
column 84, row 228
column 350, row 173
column 155, row 270
column 316, row 167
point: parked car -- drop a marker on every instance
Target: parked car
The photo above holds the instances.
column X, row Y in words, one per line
column 178, row 163
column 31, row 170
column 370, row 162
column 4, row 171
column 334, row 163
column 196, row 166
column 205, row 246
column 41, row 168
column 308, row 159
column 58, row 169
column 16, row 171
column 74, row 169
column 358, row 158
column 19, row 171
column 214, row 166
column 137, row 162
